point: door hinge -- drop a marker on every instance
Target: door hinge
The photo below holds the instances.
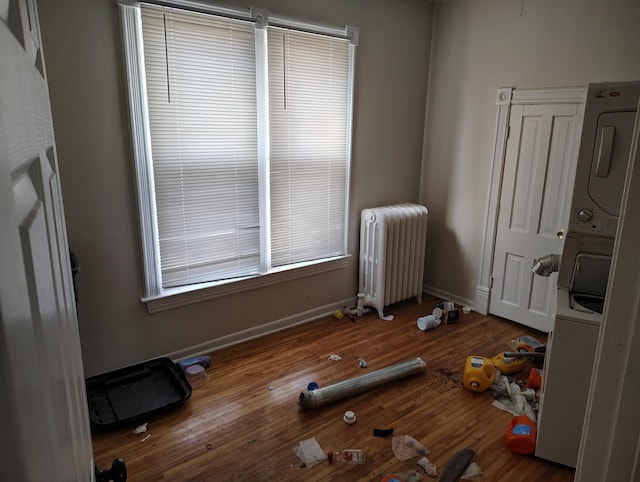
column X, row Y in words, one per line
column 491, row 282
column 508, row 132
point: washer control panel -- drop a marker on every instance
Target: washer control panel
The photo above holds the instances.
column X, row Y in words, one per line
column 593, row 220
column 585, row 215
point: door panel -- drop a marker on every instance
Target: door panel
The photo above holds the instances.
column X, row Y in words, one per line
column 534, row 203
column 556, row 202
column 43, row 405
column 540, row 296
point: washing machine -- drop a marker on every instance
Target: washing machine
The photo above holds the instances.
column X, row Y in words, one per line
column 570, row 353
column 583, row 273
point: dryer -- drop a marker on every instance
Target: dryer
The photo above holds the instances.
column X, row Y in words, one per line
column 607, row 131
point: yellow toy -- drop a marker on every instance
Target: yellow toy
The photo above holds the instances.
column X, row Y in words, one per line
column 508, row 365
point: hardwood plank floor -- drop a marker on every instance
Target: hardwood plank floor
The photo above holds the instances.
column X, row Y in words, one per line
column 245, row 423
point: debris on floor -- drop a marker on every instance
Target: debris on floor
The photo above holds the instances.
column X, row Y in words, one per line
column 410, row 476
column 140, row 428
column 359, row 384
column 443, row 379
column 511, row 398
column 521, row 435
column 472, row 472
column 406, row 447
column 406, row 476
column 346, row 311
column 509, row 365
column 347, row 456
column 202, row 360
column 334, row 357
column 382, row 432
column 535, row 378
column 528, row 344
column 457, row 465
column 309, row 452
column 428, row 322
column 349, row 417
column 362, row 363
column 446, row 312
column 479, row 373
column 429, row 467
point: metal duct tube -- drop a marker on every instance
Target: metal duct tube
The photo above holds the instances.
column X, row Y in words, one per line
column 546, row 265
column 359, row 384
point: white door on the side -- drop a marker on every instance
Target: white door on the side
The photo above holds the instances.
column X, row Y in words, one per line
column 45, row 422
column 535, row 200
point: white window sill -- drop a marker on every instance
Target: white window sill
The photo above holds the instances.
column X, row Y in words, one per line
column 176, row 297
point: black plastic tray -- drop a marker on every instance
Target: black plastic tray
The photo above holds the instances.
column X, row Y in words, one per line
column 136, row 392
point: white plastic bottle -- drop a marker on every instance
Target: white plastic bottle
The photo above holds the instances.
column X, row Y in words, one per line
column 348, row 456
column 428, row 322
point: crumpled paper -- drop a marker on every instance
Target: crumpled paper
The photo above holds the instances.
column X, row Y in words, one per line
column 472, row 472
column 406, row 447
column 428, row 466
column 510, row 398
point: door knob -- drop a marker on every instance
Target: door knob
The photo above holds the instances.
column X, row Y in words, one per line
column 560, row 234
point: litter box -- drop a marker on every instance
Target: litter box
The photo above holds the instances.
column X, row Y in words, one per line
column 135, row 392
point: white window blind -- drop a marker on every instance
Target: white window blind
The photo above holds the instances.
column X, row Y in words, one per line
column 201, row 86
column 241, row 134
column 308, row 119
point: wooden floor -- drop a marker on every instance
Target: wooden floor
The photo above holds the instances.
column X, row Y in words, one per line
column 245, row 423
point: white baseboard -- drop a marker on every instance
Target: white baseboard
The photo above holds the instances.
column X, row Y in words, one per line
column 445, row 295
column 215, row 344
column 257, row 331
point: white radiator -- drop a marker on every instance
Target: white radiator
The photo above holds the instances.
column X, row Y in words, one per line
column 392, row 250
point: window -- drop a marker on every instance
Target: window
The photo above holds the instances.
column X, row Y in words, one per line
column 241, row 128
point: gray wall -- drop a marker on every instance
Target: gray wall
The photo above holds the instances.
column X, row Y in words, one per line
column 82, row 48
column 478, row 47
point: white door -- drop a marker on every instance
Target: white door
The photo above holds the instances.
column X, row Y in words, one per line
column 45, row 423
column 535, row 200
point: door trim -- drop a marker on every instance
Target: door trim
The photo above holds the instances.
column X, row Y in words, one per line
column 505, row 98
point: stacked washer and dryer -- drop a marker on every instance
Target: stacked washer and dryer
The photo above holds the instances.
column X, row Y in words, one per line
column 603, row 157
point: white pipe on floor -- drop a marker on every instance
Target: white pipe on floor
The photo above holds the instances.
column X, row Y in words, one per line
column 359, row 384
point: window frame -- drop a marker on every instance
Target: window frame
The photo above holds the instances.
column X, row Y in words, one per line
column 155, row 296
